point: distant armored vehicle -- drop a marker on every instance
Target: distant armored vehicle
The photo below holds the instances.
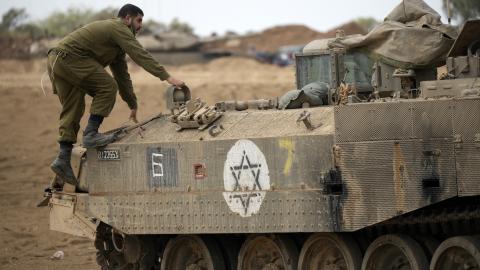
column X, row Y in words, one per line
column 384, row 175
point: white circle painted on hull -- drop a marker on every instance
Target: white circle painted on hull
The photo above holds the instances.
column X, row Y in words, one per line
column 246, row 178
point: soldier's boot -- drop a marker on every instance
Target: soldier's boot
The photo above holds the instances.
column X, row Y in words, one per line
column 92, row 138
column 62, row 168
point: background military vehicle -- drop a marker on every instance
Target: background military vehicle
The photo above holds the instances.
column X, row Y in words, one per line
column 384, row 176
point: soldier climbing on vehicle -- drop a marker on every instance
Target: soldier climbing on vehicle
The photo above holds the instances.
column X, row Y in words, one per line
column 77, row 67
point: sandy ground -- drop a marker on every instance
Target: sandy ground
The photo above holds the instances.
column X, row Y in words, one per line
column 28, row 132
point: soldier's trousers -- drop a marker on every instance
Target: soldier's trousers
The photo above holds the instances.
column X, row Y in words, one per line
column 72, row 78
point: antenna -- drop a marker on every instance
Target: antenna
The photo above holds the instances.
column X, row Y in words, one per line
column 449, row 12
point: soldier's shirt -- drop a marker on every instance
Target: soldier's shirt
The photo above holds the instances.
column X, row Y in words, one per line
column 106, row 42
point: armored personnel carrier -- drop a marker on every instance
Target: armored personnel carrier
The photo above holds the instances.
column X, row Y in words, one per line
column 354, row 173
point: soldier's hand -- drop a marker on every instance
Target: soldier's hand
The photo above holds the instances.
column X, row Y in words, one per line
column 133, row 115
column 175, row 82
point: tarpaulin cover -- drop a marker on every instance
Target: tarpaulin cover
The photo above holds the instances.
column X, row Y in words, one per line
column 411, row 36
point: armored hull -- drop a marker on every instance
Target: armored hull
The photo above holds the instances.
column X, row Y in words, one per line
column 364, row 170
column 388, row 183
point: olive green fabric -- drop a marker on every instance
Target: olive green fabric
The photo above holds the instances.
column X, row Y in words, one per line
column 71, row 91
column 109, row 40
column 79, row 63
column 411, row 36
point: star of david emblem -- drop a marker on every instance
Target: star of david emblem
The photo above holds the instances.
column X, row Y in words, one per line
column 246, row 178
column 248, row 167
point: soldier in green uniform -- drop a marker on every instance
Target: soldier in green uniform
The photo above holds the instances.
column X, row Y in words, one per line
column 77, row 67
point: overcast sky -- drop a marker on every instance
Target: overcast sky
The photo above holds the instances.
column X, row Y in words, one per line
column 207, row 16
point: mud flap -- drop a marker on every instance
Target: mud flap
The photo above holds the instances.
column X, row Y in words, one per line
column 64, row 218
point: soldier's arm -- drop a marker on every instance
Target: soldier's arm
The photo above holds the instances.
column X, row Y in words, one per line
column 125, row 88
column 129, row 44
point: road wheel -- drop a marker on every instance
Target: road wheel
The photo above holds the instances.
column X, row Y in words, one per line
column 108, row 257
column 460, row 252
column 191, row 252
column 330, row 251
column 272, row 252
column 118, row 252
column 394, row 251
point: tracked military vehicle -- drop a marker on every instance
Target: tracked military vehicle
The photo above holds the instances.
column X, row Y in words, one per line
column 365, row 173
